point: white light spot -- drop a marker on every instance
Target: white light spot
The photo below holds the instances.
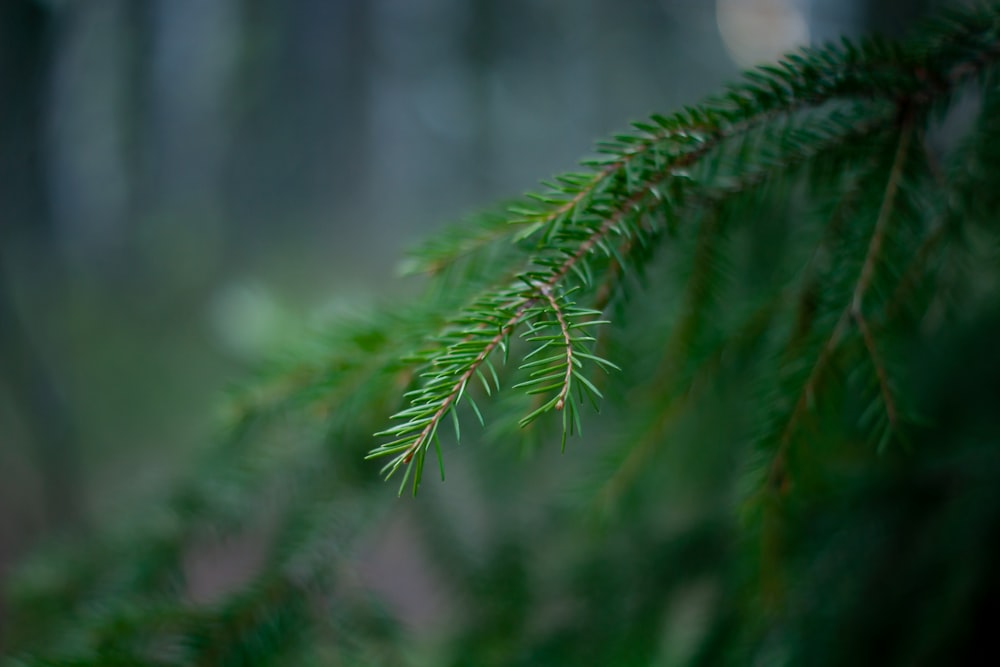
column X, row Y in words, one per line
column 758, row 31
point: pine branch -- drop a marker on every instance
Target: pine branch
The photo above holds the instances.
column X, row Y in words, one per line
column 430, row 404
column 579, row 212
column 809, row 78
column 852, row 311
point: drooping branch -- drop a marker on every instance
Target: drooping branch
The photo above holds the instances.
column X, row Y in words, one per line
column 574, row 219
column 807, row 79
column 853, row 309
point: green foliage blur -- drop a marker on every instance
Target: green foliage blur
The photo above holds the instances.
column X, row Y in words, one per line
column 789, row 457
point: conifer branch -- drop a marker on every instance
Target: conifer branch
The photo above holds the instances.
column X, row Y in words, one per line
column 872, row 259
column 853, row 310
column 430, row 407
column 810, row 78
column 567, row 232
column 884, row 215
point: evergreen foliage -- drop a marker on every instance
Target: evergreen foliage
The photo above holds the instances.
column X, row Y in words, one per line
column 784, row 304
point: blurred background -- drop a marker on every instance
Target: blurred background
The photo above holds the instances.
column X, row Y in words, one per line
column 186, row 183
